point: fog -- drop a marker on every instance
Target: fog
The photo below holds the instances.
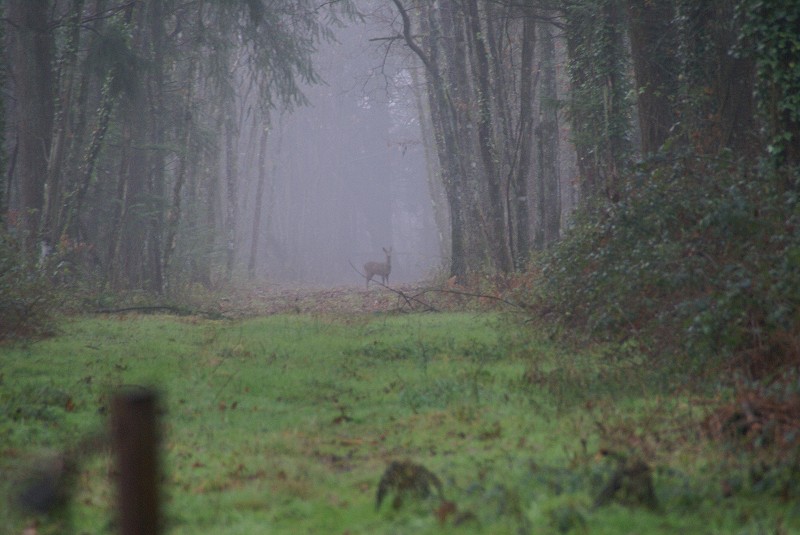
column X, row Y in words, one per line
column 204, row 168
column 346, row 175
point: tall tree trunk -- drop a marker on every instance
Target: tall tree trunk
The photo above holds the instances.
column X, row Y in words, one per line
column 498, row 238
column 262, row 178
column 231, row 188
column 32, row 48
column 547, row 143
column 443, row 119
column 120, row 212
column 75, row 198
column 523, row 141
column 722, row 116
column 447, row 18
column 154, row 275
column 654, row 51
column 441, row 212
column 75, row 160
column 598, row 111
column 130, row 241
column 62, row 129
column 181, row 172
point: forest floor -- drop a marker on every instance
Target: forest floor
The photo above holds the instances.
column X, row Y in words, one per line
column 347, row 410
column 267, row 300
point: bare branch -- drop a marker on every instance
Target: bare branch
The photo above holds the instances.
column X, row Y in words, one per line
column 409, row 39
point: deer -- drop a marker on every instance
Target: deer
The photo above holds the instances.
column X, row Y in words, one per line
column 379, row 268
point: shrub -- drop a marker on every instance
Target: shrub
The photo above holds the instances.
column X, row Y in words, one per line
column 700, row 255
column 24, row 294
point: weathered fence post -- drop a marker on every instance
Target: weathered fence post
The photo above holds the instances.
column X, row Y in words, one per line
column 134, row 434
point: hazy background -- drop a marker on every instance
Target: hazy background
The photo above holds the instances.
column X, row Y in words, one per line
column 346, row 175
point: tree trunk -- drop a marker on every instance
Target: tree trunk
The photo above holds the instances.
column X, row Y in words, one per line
column 154, row 275
column 62, row 130
column 32, row 47
column 547, row 143
column 722, row 115
column 231, row 199
column 498, row 238
column 598, row 111
column 262, row 178
column 523, row 142
column 75, row 198
column 654, row 52
column 444, row 122
column 120, row 211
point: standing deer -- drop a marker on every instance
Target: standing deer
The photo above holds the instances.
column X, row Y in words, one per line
column 379, row 268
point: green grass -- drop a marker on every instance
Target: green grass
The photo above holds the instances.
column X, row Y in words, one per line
column 285, row 424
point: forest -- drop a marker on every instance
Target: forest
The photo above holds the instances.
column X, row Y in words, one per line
column 610, row 173
column 629, row 165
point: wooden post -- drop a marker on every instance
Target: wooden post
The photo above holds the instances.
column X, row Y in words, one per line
column 134, row 433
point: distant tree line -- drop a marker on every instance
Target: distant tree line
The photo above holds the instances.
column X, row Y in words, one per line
column 122, row 119
column 643, row 78
column 122, row 122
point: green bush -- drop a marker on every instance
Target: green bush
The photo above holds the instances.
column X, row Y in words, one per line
column 700, row 255
column 25, row 295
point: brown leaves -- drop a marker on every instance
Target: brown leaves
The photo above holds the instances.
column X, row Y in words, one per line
column 756, row 420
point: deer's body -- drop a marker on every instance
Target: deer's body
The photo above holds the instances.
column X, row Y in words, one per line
column 379, row 268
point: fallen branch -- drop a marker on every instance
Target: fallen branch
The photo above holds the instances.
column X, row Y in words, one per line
column 178, row 311
column 408, row 299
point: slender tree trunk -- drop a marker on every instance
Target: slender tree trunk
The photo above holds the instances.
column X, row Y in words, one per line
column 32, row 48
column 62, row 129
column 231, row 189
column 158, row 126
column 74, row 200
column 441, row 212
column 498, row 238
column 443, row 119
column 653, row 49
column 262, row 178
column 75, row 161
column 174, row 212
column 523, row 142
column 113, row 268
column 547, row 142
column 598, row 111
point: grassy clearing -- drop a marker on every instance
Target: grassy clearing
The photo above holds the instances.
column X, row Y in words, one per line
column 285, row 424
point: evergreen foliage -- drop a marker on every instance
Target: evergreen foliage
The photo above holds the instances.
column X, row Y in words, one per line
column 701, row 255
column 770, row 34
column 24, row 294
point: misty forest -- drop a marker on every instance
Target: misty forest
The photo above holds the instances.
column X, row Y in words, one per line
column 400, row 266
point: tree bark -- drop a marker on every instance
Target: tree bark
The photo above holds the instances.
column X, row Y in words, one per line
column 32, row 46
column 654, row 52
column 598, row 112
column 62, row 129
column 547, row 144
column 523, row 142
column 262, row 178
column 231, row 188
column 498, row 237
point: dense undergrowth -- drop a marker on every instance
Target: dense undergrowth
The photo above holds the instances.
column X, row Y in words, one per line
column 25, row 301
column 700, row 258
column 696, row 270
